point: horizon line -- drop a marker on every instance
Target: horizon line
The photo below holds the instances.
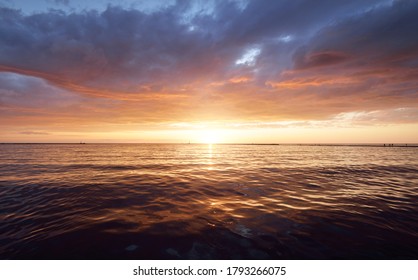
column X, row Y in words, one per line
column 371, row 144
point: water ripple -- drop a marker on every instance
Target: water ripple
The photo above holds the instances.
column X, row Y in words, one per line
column 191, row 201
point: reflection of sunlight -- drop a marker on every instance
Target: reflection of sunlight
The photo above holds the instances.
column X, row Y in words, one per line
column 234, row 207
column 210, row 155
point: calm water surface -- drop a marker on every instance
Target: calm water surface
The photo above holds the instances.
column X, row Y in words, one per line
column 158, row 201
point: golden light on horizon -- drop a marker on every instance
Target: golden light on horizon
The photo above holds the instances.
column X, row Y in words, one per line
column 216, row 134
column 210, row 136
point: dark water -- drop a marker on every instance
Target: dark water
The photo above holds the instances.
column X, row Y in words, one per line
column 144, row 201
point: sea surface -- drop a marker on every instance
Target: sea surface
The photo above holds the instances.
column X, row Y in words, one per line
column 186, row 201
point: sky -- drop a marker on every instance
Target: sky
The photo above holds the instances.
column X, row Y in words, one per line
column 289, row 71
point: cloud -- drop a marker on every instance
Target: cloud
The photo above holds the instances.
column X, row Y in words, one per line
column 370, row 57
column 26, row 100
column 34, row 133
column 261, row 60
column 116, row 50
column 318, row 59
column 381, row 37
column 27, row 91
column 120, row 48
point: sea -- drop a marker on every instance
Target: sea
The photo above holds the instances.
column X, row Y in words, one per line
column 208, row 201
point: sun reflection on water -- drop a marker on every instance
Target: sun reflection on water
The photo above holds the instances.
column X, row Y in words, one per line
column 210, row 157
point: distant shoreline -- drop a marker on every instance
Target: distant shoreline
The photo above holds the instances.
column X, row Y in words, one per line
column 382, row 145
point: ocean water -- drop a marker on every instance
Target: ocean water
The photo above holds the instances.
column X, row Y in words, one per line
column 160, row 201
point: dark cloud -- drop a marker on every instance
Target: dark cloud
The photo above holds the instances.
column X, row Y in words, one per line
column 121, row 48
column 26, row 91
column 381, row 36
column 117, row 49
column 318, row 59
column 261, row 19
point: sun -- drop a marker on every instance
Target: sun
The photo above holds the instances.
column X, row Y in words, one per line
column 210, row 136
